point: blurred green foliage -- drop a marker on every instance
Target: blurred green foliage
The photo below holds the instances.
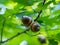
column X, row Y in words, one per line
column 49, row 21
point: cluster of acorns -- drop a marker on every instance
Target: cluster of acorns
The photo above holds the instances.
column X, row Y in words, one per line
column 34, row 26
column 27, row 21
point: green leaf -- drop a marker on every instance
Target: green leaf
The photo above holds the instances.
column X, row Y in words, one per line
column 4, row 1
column 46, row 4
column 56, row 9
column 52, row 42
column 26, row 2
column 57, row 36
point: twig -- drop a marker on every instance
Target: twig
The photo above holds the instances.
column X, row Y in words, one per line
column 4, row 20
column 38, row 15
column 44, row 2
column 14, row 36
column 40, row 11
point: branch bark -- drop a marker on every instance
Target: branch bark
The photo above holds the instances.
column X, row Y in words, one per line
column 14, row 36
column 3, row 24
column 39, row 12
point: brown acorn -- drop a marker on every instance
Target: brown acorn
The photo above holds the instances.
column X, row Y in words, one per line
column 26, row 20
column 35, row 27
column 42, row 39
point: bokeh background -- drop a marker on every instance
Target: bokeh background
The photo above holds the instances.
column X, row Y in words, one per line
column 11, row 12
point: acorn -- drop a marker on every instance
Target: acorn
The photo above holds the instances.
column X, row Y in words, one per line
column 35, row 27
column 26, row 20
column 42, row 39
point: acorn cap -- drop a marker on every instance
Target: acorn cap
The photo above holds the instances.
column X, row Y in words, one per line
column 26, row 20
column 35, row 27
